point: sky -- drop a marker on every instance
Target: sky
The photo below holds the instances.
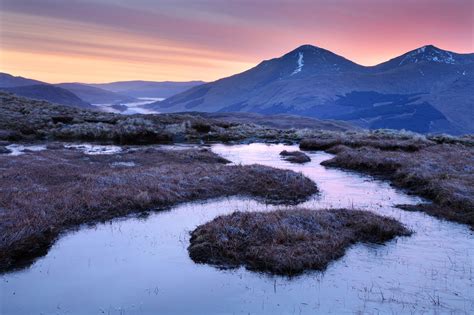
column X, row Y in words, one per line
column 180, row 40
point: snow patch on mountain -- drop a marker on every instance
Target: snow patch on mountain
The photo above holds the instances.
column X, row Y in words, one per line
column 299, row 64
column 428, row 53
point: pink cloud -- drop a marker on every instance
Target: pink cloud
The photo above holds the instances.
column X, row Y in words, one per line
column 365, row 31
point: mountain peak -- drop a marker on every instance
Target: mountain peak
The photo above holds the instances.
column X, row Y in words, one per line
column 310, row 60
column 307, row 47
column 429, row 53
column 430, row 47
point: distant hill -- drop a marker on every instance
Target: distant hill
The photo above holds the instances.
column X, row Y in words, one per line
column 48, row 93
column 7, row 80
column 86, row 94
column 95, row 95
column 425, row 90
column 148, row 88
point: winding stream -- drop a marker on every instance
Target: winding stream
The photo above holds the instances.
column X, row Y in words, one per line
column 141, row 265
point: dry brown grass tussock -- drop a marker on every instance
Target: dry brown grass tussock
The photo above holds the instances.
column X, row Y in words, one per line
column 287, row 242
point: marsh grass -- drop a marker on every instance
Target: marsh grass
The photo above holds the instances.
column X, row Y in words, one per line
column 287, row 242
column 382, row 140
column 45, row 193
column 442, row 173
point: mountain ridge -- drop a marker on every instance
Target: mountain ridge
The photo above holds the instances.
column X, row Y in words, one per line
column 90, row 95
column 50, row 93
column 310, row 81
column 8, row 80
column 106, row 93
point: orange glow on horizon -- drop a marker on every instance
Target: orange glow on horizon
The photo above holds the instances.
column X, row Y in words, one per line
column 102, row 42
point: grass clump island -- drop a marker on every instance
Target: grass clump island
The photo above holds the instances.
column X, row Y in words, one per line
column 45, row 193
column 287, row 242
column 295, row 156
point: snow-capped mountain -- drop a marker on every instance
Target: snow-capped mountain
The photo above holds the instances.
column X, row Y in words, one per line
column 313, row 59
column 414, row 91
column 305, row 61
column 429, row 54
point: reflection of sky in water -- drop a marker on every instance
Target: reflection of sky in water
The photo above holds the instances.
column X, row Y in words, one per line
column 141, row 266
column 95, row 149
column 19, row 149
column 92, row 149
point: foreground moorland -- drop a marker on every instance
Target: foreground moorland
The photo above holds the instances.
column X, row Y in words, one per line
column 23, row 119
column 439, row 168
column 44, row 193
column 287, row 242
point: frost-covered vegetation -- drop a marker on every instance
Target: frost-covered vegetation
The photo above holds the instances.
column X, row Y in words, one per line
column 287, row 242
column 43, row 193
column 438, row 167
column 24, row 119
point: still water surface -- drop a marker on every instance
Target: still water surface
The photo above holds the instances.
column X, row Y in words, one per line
column 141, row 266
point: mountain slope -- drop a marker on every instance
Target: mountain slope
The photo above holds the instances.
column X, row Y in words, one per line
column 79, row 96
column 7, row 81
column 49, row 93
column 147, row 88
column 95, row 95
column 407, row 92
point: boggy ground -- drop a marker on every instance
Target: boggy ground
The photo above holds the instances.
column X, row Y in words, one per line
column 287, row 242
column 45, row 193
column 387, row 140
column 439, row 168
